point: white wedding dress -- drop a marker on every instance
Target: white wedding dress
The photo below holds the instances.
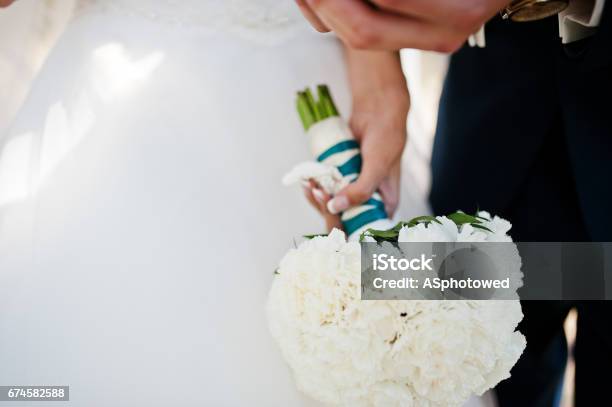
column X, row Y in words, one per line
column 141, row 209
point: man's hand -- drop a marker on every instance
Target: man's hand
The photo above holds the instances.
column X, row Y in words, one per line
column 6, row 3
column 437, row 25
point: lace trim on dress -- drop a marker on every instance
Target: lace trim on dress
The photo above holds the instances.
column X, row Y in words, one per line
column 263, row 21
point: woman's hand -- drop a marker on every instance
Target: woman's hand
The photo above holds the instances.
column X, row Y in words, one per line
column 319, row 199
column 6, row 3
column 378, row 121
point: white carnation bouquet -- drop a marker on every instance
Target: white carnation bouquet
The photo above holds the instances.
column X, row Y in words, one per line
column 345, row 351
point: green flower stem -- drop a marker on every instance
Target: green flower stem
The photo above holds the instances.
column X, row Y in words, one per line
column 313, row 110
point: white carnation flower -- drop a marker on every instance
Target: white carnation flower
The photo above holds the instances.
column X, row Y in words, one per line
column 344, row 351
column 498, row 226
column 471, row 234
column 444, row 230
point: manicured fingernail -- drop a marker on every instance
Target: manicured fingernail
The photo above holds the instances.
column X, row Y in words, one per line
column 318, row 194
column 338, row 204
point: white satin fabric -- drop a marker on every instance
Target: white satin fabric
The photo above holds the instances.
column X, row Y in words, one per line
column 28, row 30
column 264, row 21
column 141, row 209
column 580, row 19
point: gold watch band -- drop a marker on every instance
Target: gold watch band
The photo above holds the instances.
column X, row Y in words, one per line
column 530, row 10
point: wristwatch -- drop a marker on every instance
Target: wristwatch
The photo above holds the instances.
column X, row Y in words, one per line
column 530, row 10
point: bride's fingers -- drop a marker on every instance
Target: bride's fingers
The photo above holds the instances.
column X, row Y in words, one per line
column 308, row 193
column 390, row 190
column 333, row 222
column 321, row 197
column 318, row 198
column 372, row 174
column 310, row 16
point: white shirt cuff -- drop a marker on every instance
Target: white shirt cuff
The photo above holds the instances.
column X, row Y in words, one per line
column 580, row 19
column 478, row 38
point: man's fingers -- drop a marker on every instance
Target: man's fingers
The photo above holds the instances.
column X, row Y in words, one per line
column 348, row 19
column 466, row 15
column 6, row 3
column 421, row 8
column 312, row 18
column 361, row 26
column 437, row 25
column 450, row 11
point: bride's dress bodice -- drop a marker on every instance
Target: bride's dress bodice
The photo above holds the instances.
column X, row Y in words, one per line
column 267, row 21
